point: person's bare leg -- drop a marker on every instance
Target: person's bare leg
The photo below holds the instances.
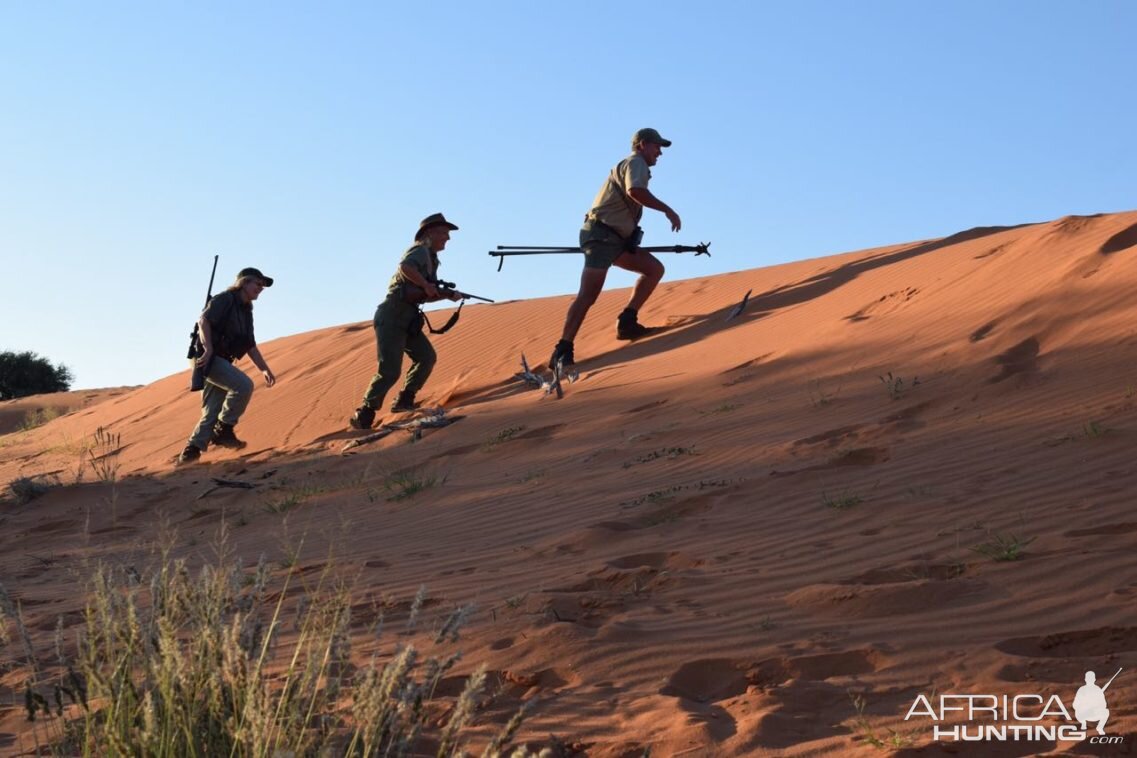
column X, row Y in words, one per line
column 591, row 283
column 650, row 270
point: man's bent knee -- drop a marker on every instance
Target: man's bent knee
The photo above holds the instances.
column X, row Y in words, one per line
column 244, row 386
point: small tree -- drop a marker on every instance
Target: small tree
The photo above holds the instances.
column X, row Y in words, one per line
column 23, row 374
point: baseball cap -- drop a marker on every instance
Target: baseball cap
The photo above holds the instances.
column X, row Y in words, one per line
column 257, row 273
column 649, row 135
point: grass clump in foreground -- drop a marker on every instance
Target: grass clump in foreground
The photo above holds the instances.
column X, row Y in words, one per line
column 841, row 501
column 175, row 662
column 402, row 485
column 1004, row 547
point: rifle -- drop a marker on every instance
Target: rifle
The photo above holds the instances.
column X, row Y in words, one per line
column 1106, row 687
column 197, row 376
column 416, row 295
column 703, row 248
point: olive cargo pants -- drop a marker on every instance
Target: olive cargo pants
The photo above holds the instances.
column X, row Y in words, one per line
column 393, row 319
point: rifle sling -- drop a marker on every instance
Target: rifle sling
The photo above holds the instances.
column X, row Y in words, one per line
column 450, row 322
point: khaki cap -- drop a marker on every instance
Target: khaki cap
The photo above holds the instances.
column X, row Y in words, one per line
column 649, row 135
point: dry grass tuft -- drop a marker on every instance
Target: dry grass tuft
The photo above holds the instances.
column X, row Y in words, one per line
column 176, row 661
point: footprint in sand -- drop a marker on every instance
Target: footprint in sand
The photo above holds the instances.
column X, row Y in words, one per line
column 893, row 591
column 54, row 527
column 906, row 419
column 884, row 304
column 669, row 561
column 1057, row 670
column 1020, row 360
column 860, row 456
column 988, row 253
column 831, row 438
column 706, row 681
column 669, row 512
column 1102, row 641
column 645, row 406
column 517, row 683
column 776, row 671
column 797, row 712
column 939, row 572
column 1104, row 530
column 1066, row 656
column 983, row 331
column 747, row 376
column 540, row 433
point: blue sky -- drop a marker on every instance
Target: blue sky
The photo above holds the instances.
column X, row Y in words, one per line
column 139, row 139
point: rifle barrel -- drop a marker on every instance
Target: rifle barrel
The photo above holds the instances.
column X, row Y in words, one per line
column 504, row 250
column 536, row 247
column 536, row 250
column 213, row 273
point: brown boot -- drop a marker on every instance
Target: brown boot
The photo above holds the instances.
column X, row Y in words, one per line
column 223, row 436
column 363, row 418
column 628, row 326
column 404, row 403
column 189, row 455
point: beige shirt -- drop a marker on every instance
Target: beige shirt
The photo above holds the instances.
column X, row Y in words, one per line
column 422, row 259
column 613, row 206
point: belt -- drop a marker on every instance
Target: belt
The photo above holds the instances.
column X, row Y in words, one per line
column 597, row 222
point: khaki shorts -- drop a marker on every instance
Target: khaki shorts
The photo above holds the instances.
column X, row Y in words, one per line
column 601, row 245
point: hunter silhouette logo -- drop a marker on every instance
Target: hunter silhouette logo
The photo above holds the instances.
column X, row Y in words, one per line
column 1089, row 703
column 1024, row 717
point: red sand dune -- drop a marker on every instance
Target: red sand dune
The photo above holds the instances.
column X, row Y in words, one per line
column 720, row 531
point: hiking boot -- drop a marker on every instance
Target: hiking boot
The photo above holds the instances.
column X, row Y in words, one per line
column 223, row 436
column 189, row 455
column 563, row 353
column 404, row 402
column 363, row 418
column 628, row 326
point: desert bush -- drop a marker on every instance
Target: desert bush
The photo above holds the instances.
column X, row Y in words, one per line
column 26, row 489
column 896, row 386
column 39, row 417
column 23, row 374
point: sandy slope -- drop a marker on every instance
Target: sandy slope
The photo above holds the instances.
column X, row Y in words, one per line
column 660, row 556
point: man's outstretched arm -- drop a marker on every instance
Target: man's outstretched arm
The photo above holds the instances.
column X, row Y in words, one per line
column 643, row 196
